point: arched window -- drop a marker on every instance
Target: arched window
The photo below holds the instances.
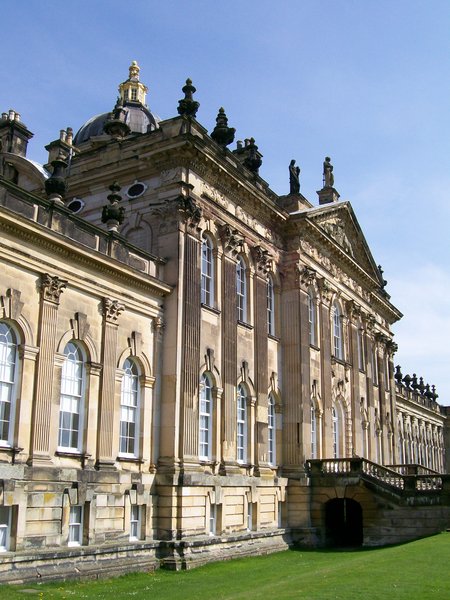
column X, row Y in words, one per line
column 241, row 430
column 312, row 319
column 129, row 410
column 271, row 431
column 72, row 399
column 207, row 285
column 338, row 342
column 241, row 290
column 270, row 307
column 313, row 432
column 206, row 418
column 8, row 381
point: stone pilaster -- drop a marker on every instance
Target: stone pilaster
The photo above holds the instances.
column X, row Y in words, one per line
column 51, row 289
column 229, row 353
column 106, row 452
column 326, row 353
column 190, row 348
column 261, row 366
column 290, row 335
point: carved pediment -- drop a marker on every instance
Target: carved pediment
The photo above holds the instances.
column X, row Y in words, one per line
column 339, row 224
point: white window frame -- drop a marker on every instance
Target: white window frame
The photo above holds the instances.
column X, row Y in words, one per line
column 249, row 516
column 361, row 353
column 312, row 319
column 129, row 410
column 207, row 272
column 313, row 432
column 8, row 382
column 212, row 519
column 76, row 513
column 336, row 432
column 242, row 424
column 5, row 528
column 72, row 397
column 241, row 290
column 135, row 522
column 271, row 431
column 270, row 307
column 338, row 340
column 205, row 417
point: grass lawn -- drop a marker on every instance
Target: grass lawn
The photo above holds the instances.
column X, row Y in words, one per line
column 415, row 571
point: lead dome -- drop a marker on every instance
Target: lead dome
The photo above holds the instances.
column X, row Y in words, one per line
column 135, row 113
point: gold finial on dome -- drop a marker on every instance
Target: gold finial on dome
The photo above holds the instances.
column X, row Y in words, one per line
column 134, row 70
column 132, row 90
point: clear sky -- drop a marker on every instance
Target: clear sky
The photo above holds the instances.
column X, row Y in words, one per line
column 365, row 82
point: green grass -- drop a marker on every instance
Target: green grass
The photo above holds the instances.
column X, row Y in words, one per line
column 418, row 570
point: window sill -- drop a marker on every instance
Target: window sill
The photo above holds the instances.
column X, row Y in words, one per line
column 132, row 459
column 273, row 337
column 314, row 347
column 209, row 308
column 245, row 325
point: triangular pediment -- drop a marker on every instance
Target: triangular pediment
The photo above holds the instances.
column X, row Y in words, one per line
column 338, row 223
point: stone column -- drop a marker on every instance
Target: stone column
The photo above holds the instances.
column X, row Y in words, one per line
column 51, row 289
column 106, row 452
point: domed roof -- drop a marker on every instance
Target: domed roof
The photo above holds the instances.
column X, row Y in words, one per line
column 138, row 118
column 135, row 112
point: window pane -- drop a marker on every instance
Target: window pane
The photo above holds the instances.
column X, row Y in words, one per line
column 129, row 409
column 72, row 382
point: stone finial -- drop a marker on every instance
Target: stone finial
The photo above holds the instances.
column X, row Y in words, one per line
column 187, row 105
column 407, row 380
column 414, row 383
column 113, row 215
column 421, row 386
column 55, row 185
column 398, row 375
column 115, row 125
column 254, row 159
column 133, row 70
column 222, row 134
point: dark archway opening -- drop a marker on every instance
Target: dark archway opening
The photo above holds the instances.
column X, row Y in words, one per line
column 343, row 523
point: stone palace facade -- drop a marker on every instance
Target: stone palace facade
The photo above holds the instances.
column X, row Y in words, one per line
column 191, row 366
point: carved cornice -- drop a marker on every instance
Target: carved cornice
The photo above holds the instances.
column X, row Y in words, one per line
column 307, row 276
column 52, row 287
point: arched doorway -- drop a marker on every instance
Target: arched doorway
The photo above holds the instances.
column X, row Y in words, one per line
column 343, row 523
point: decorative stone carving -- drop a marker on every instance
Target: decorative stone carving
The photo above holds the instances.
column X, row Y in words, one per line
column 262, row 259
column 307, row 276
column 158, row 325
column 169, row 176
column 327, row 290
column 189, row 209
column 336, row 230
column 52, row 287
column 80, row 326
column 112, row 309
column 231, row 238
column 11, row 305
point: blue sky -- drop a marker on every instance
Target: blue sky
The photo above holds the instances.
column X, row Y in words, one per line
column 365, row 82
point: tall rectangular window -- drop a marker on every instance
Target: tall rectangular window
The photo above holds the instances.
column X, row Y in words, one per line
column 5, row 527
column 270, row 307
column 212, row 519
column 205, row 421
column 135, row 522
column 241, row 433
column 361, row 357
column 313, row 432
column 129, row 410
column 76, row 526
column 271, row 440
column 207, row 272
column 312, row 319
column 241, row 290
column 8, row 376
column 338, row 342
column 71, row 400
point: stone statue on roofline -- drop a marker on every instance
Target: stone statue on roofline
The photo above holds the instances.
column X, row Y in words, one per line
column 294, row 178
column 328, row 177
